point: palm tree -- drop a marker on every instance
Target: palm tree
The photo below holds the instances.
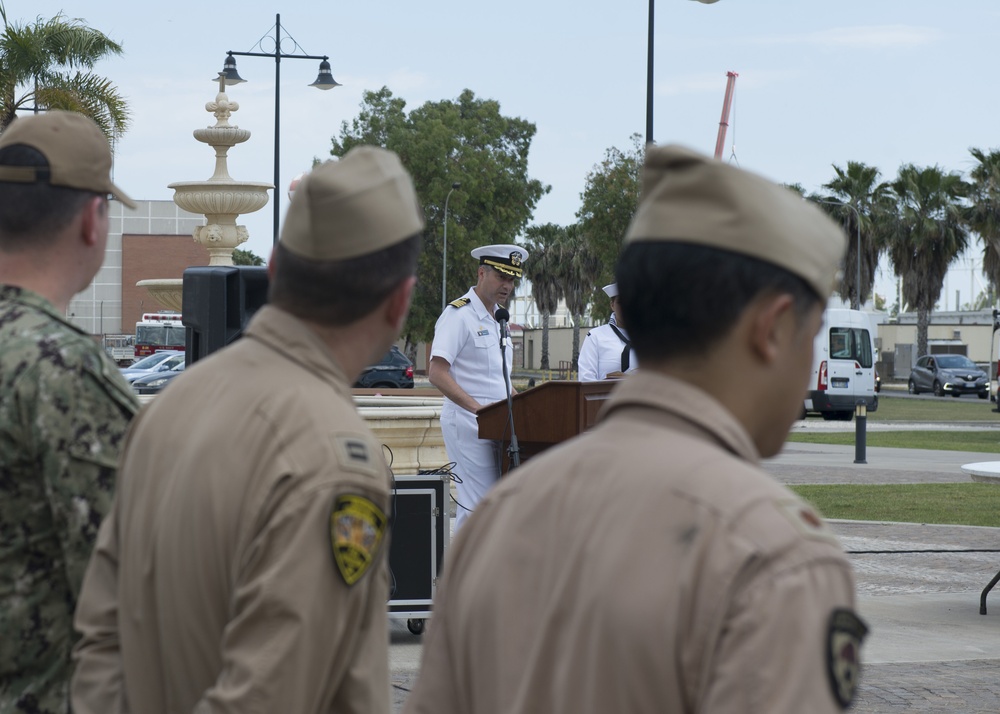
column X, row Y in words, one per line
column 984, row 211
column 544, row 244
column 856, row 197
column 929, row 231
column 47, row 64
column 579, row 268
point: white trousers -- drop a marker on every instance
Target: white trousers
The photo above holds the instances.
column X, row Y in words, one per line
column 477, row 461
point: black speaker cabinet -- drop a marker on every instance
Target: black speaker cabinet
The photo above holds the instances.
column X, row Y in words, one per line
column 218, row 302
column 420, row 534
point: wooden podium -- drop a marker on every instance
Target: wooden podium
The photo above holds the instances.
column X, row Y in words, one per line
column 545, row 415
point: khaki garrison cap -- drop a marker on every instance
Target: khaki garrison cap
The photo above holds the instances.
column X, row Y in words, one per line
column 75, row 148
column 691, row 198
column 361, row 204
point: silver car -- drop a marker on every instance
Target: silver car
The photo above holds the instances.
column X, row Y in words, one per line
column 161, row 361
column 948, row 374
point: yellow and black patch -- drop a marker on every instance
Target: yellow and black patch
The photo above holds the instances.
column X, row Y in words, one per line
column 357, row 528
column 461, row 302
column 843, row 654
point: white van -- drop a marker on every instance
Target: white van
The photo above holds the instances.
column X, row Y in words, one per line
column 843, row 370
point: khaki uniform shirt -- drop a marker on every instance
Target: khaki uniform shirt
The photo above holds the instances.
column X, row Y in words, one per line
column 251, row 493
column 64, row 410
column 647, row 566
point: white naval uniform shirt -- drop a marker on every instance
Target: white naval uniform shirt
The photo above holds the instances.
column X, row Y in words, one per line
column 601, row 353
column 469, row 338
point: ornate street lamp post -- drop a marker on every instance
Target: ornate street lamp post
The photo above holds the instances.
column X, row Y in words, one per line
column 324, row 81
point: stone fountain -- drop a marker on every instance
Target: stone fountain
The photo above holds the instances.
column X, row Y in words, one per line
column 221, row 198
column 408, row 427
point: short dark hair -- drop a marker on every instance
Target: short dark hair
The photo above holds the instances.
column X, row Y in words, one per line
column 339, row 292
column 33, row 214
column 678, row 299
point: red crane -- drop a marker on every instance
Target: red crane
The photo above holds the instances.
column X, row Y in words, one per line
column 727, row 104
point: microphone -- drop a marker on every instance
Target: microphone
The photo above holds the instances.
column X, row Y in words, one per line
column 502, row 316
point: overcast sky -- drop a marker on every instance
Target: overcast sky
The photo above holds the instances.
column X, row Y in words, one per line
column 885, row 82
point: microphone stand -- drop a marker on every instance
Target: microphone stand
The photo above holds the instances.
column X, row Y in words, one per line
column 513, row 451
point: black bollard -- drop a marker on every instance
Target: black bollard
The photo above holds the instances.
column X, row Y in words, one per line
column 860, row 427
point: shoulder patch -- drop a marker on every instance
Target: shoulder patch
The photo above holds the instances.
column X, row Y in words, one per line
column 461, row 302
column 843, row 654
column 357, row 528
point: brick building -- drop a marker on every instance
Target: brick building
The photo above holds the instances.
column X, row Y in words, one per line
column 153, row 241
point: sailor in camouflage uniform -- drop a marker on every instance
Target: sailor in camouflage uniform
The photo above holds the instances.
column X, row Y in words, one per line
column 64, row 407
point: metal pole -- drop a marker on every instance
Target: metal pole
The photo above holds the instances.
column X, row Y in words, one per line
column 857, row 214
column 444, row 251
column 993, row 364
column 860, row 433
column 649, row 79
column 277, row 121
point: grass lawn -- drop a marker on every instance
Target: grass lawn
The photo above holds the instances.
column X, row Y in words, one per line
column 943, row 409
column 965, row 504
column 985, row 441
column 973, row 504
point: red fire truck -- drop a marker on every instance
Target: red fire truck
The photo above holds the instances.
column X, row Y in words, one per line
column 158, row 331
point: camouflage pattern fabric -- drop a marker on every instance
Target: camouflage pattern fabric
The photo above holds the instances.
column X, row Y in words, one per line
column 64, row 409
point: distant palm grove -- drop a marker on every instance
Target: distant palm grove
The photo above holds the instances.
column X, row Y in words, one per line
column 921, row 220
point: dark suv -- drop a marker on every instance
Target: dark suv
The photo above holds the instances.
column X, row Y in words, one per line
column 394, row 370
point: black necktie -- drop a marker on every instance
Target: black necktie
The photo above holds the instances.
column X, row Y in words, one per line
column 625, row 352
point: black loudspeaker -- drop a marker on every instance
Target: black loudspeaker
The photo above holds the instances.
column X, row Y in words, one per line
column 420, row 534
column 218, row 302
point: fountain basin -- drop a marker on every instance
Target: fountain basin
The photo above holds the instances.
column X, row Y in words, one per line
column 218, row 199
column 166, row 291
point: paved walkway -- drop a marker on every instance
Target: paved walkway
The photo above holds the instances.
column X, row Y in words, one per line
column 929, row 649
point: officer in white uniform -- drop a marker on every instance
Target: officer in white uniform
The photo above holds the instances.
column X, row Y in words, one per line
column 466, row 365
column 606, row 349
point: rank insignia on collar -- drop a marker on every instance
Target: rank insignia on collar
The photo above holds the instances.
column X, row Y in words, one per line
column 357, row 528
column 843, row 654
column 515, row 258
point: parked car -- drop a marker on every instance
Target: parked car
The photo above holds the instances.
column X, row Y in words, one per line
column 155, row 382
column 948, row 374
column 158, row 361
column 394, row 370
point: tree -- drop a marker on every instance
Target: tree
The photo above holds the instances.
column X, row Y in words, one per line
column 544, row 244
column 246, row 257
column 928, row 232
column 609, row 200
column 41, row 63
column 466, row 140
column 858, row 196
column 579, row 269
column 984, row 210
